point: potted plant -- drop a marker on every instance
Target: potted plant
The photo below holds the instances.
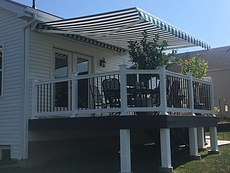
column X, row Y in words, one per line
column 149, row 54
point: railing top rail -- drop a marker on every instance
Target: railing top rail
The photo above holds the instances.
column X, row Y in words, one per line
column 142, row 71
column 97, row 75
column 176, row 74
column 53, row 81
column 203, row 80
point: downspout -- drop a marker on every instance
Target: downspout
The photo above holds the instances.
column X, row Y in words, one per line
column 24, row 119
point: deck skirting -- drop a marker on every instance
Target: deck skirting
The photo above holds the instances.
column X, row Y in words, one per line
column 122, row 122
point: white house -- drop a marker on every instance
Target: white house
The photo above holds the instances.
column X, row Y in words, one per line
column 48, row 64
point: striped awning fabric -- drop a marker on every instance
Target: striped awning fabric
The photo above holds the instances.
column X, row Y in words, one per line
column 113, row 30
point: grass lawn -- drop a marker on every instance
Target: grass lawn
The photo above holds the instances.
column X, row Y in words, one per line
column 221, row 135
column 218, row 163
column 210, row 163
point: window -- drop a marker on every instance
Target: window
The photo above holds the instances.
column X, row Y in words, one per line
column 1, row 71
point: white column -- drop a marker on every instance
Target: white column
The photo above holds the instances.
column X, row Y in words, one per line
column 165, row 150
column 201, row 138
column 213, row 140
column 193, row 143
column 125, row 155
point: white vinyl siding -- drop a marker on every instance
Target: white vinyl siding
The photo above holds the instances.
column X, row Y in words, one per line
column 11, row 103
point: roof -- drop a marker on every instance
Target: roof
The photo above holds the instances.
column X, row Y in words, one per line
column 114, row 29
column 217, row 58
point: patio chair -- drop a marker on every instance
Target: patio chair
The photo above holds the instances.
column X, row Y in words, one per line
column 156, row 97
column 111, row 89
column 202, row 98
column 139, row 95
column 174, row 99
column 98, row 101
column 97, row 97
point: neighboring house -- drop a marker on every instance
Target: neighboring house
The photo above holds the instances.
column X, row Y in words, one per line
column 219, row 69
column 48, row 64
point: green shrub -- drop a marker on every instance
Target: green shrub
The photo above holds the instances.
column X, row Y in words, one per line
column 195, row 65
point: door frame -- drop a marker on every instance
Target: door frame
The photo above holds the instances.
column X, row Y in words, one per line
column 75, row 61
column 72, row 67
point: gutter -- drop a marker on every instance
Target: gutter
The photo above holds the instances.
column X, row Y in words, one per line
column 25, row 96
column 41, row 15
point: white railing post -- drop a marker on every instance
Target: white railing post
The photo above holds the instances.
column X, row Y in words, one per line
column 163, row 94
column 52, row 104
column 191, row 94
column 34, row 99
column 123, row 89
column 74, row 96
column 209, row 79
column 125, row 149
column 212, row 98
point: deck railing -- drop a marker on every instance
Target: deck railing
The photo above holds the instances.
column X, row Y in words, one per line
column 123, row 92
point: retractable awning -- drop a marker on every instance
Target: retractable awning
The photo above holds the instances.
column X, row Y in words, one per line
column 113, row 30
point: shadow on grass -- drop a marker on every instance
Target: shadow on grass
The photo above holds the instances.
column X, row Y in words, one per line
column 145, row 159
column 180, row 155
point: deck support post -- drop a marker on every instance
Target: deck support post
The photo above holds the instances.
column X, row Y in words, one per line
column 193, row 144
column 201, row 138
column 166, row 165
column 125, row 154
column 213, row 140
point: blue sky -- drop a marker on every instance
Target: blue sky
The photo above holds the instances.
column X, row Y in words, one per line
column 208, row 20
